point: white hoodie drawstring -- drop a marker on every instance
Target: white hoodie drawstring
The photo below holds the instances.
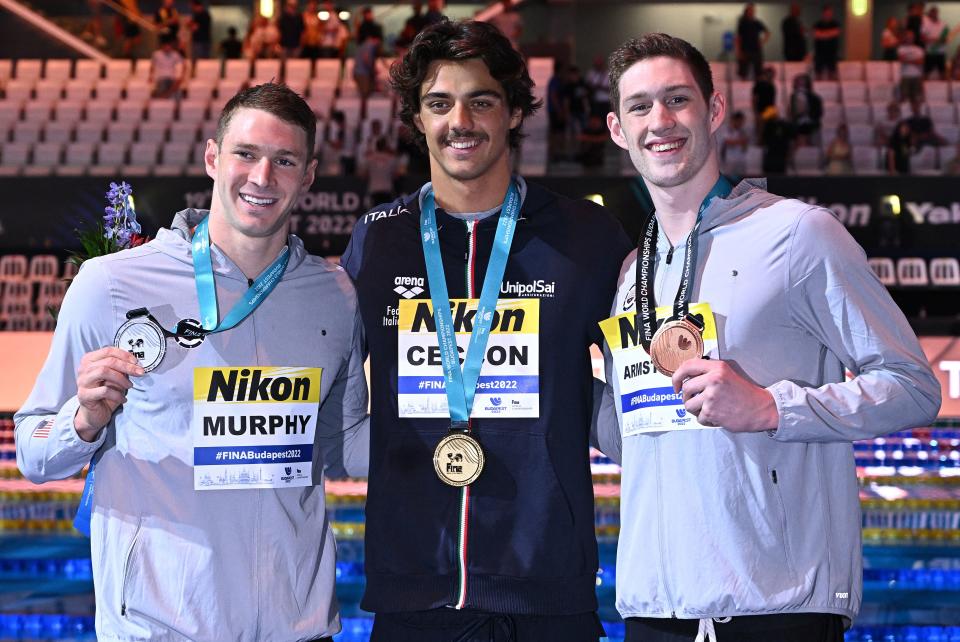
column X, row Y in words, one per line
column 706, row 632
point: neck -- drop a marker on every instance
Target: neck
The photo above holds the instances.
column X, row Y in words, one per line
column 677, row 206
column 476, row 195
column 251, row 254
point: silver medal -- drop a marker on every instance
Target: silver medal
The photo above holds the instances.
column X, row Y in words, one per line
column 144, row 339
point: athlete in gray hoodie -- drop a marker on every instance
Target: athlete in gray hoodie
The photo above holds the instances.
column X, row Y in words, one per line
column 210, row 447
column 739, row 503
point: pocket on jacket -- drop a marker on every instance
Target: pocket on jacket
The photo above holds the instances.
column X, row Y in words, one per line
column 169, row 584
column 521, row 521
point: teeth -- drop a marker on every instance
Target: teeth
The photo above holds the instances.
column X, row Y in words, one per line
column 463, row 144
column 253, row 200
column 664, row 147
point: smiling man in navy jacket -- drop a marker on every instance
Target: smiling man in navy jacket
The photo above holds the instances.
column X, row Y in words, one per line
column 480, row 505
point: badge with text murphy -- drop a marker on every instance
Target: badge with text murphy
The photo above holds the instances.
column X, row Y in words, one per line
column 458, row 459
column 254, row 426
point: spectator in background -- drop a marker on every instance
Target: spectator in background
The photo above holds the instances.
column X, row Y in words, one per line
column 935, row 35
column 312, row 31
column 826, row 45
column 368, row 139
column 200, row 26
column 381, row 168
column 764, row 94
column 577, row 96
column 340, row 142
column 890, row 39
column 231, row 47
column 777, row 140
column 839, row 156
column 290, row 25
column 167, row 19
column 263, row 40
column 794, row 35
column 367, row 27
column 952, row 166
column 884, row 128
column 733, row 146
column 413, row 25
column 911, row 57
column 128, row 28
column 806, row 110
column 434, row 12
column 365, row 69
column 93, row 30
column 335, row 33
column 921, row 126
column 593, row 142
column 899, row 149
column 599, row 83
column 748, row 44
column 166, row 69
column 557, row 113
column 914, row 21
column 509, row 22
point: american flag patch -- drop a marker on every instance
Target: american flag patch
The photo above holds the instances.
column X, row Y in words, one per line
column 43, row 430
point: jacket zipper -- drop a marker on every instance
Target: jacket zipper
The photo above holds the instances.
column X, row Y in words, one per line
column 660, row 520
column 464, row 518
column 126, row 569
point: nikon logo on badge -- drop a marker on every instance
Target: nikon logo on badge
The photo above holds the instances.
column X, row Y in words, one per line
column 503, row 321
column 257, row 384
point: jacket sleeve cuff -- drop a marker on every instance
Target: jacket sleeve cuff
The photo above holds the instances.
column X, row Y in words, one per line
column 66, row 433
column 779, row 398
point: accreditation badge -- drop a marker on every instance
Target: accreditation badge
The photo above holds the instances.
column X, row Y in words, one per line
column 645, row 398
column 254, row 426
column 509, row 382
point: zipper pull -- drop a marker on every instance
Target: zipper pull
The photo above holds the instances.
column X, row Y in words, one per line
column 669, row 255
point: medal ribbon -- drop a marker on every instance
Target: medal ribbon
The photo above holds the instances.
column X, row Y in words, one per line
column 461, row 385
column 209, row 317
column 646, row 268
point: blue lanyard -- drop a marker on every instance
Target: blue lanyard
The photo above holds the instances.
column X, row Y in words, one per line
column 462, row 385
column 207, row 291
column 209, row 315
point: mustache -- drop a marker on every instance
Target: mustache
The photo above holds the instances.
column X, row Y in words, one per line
column 464, row 135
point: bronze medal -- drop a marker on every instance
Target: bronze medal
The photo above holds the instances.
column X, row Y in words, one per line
column 675, row 342
column 458, row 459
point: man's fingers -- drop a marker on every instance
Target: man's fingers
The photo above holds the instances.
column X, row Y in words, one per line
column 111, row 396
column 99, row 375
column 107, row 352
column 688, row 369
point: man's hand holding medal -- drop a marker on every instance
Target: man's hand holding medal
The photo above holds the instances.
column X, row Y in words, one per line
column 102, row 383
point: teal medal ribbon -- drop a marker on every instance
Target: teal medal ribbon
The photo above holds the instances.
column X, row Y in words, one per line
column 209, row 320
column 461, row 385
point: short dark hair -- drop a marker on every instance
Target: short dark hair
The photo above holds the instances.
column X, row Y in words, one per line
column 657, row 45
column 459, row 41
column 276, row 99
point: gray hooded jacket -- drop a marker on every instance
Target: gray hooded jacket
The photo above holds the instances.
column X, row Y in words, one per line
column 170, row 562
column 715, row 523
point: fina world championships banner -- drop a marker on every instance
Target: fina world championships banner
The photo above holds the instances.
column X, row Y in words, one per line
column 889, row 216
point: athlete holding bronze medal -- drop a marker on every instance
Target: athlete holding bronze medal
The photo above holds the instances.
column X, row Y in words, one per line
column 739, row 513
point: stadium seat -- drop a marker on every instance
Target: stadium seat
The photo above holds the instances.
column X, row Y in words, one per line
column 206, row 70
column 37, row 111
column 882, row 92
column 121, row 132
column 858, row 113
column 265, row 70
column 866, row 160
column 161, row 111
column 88, row 132
column 878, row 70
column 227, row 89
column 806, row 161
column 828, row 90
column 942, row 113
column 237, row 71
column 850, row 70
column 860, row 133
column 88, row 70
column 853, row 92
column 43, row 267
column 200, row 89
column 27, row 133
column 80, row 90
column 193, row 110
column 118, row 70
column 13, row 268
column 77, row 157
column 327, row 71
column 28, row 69
column 6, row 70
column 950, row 132
column 141, row 70
column 936, row 92
column 18, row 91
column 924, row 161
column 98, row 113
column 912, row 272
column 184, row 132
column 48, row 90
column 130, row 111
column 108, row 91
column 111, row 154
column 144, row 153
column 138, row 90
column 149, row 132
column 297, row 71
column 884, row 269
column 68, row 111
column 46, row 156
column 58, row 132
column 59, row 69
column 945, row 271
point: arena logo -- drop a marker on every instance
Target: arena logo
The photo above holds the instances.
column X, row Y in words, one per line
column 851, row 215
column 932, row 214
column 409, row 286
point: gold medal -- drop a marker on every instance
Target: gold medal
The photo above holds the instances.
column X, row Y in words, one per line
column 458, row 459
column 675, row 342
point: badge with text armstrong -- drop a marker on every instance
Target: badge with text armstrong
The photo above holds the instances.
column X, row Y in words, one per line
column 458, row 459
column 461, row 385
column 142, row 337
column 645, row 399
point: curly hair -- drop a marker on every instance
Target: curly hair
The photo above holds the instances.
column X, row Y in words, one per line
column 456, row 41
column 655, row 45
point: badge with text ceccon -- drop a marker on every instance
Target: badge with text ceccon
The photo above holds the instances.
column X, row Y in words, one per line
column 646, row 401
column 253, row 426
column 509, row 383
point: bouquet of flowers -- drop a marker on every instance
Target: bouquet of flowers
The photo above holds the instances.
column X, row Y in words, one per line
column 118, row 230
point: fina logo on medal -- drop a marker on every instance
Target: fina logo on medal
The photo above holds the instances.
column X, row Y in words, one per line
column 458, row 460
column 144, row 339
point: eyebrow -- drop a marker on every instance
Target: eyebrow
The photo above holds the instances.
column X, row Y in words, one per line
column 665, row 90
column 473, row 94
column 257, row 148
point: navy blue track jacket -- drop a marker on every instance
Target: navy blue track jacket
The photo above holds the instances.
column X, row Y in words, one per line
column 526, row 544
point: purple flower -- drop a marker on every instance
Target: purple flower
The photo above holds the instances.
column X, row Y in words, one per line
column 120, row 218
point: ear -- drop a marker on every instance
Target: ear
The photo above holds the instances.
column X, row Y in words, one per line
column 616, row 132
column 308, row 176
column 210, row 158
column 516, row 118
column 718, row 110
column 419, row 123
